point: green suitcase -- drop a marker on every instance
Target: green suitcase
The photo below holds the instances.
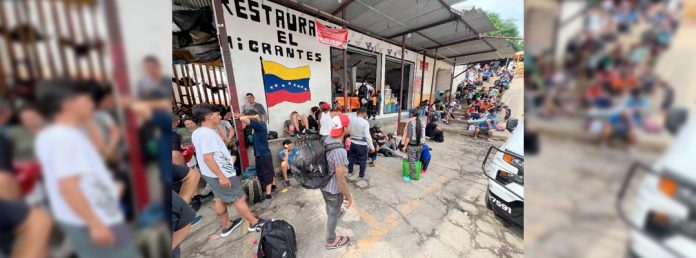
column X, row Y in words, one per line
column 406, row 167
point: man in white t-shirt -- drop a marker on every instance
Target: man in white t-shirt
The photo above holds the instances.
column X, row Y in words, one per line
column 82, row 192
column 325, row 122
column 217, row 167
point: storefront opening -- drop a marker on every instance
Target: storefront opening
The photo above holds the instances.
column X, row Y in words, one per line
column 392, row 85
column 362, row 68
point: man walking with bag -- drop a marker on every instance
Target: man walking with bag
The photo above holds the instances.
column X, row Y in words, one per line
column 413, row 139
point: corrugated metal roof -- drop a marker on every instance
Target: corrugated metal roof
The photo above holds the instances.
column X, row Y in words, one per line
column 504, row 50
column 477, row 18
column 393, row 17
column 195, row 4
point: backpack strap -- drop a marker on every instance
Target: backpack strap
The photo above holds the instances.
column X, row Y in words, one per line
column 332, row 146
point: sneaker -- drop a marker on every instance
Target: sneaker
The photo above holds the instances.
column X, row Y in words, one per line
column 364, row 178
column 196, row 220
column 265, row 203
column 287, row 184
column 407, row 179
column 423, row 171
column 196, row 203
column 227, row 231
column 350, row 174
column 257, row 227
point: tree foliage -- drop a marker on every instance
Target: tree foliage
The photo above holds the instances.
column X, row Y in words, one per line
column 505, row 28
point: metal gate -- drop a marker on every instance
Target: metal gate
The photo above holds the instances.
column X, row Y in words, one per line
column 76, row 39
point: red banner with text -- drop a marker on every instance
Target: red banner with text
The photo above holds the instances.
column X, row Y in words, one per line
column 330, row 36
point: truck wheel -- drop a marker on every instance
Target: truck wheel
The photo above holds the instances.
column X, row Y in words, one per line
column 488, row 201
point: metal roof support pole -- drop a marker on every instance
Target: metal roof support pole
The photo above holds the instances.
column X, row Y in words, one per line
column 420, row 100
column 452, row 87
column 232, row 86
column 401, row 86
column 345, row 66
column 432, row 83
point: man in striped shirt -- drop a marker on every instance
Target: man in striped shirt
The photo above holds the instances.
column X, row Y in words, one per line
column 336, row 191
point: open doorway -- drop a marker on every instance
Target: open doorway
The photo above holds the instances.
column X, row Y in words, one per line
column 362, row 68
column 392, row 85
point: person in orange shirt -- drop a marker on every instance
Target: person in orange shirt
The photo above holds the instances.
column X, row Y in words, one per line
column 485, row 105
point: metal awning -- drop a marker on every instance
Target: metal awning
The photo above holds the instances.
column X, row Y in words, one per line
column 428, row 25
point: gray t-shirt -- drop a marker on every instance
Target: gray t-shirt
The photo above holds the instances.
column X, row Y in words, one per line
column 258, row 107
column 104, row 121
column 148, row 89
column 412, row 132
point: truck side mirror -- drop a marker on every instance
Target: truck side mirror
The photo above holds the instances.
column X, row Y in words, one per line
column 676, row 118
column 511, row 124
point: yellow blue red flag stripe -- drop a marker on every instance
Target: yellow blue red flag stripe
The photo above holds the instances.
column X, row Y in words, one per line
column 285, row 84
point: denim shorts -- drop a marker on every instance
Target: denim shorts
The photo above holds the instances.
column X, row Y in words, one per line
column 227, row 195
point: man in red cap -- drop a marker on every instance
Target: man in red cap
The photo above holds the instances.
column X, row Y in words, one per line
column 336, row 191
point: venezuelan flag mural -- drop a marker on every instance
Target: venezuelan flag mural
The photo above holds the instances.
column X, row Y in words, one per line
column 285, row 84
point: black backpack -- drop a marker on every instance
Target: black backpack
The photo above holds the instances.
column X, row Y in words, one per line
column 310, row 166
column 277, row 240
column 362, row 91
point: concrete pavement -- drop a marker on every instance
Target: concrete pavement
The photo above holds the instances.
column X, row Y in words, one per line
column 570, row 197
column 442, row 215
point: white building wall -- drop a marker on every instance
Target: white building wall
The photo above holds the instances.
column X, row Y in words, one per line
column 247, row 66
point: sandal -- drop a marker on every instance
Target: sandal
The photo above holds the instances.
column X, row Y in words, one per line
column 343, row 241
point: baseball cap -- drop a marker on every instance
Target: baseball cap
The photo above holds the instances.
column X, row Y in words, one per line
column 339, row 122
column 325, row 107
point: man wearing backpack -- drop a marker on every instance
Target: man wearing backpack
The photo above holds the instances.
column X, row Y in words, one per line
column 414, row 136
column 364, row 93
column 336, row 190
column 217, row 168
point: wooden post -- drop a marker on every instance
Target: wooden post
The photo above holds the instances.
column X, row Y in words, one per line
column 71, row 36
column 422, row 79
column 346, row 102
column 178, row 86
column 432, row 82
column 47, row 45
column 90, row 43
column 14, row 70
column 187, row 82
column 59, row 33
column 401, row 88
